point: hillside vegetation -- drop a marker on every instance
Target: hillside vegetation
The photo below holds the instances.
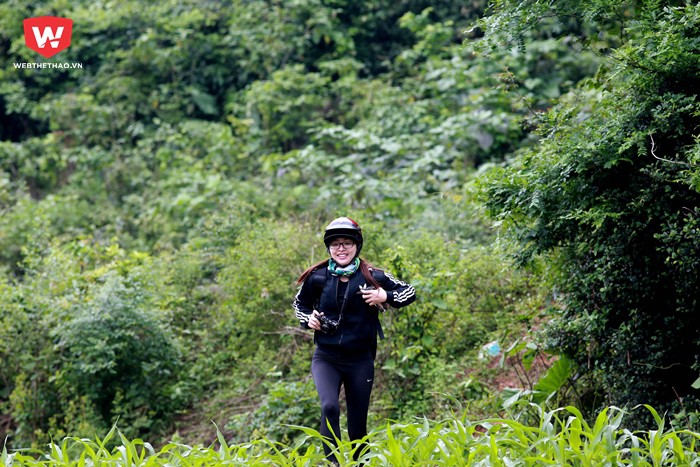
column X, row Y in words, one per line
column 532, row 169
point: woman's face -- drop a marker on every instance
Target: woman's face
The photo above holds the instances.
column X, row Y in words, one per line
column 343, row 250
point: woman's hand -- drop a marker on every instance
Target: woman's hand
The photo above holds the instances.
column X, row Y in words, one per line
column 314, row 323
column 374, row 296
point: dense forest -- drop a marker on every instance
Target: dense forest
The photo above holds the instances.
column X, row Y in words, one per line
column 531, row 167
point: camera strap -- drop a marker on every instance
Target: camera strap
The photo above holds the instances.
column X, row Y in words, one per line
column 345, row 299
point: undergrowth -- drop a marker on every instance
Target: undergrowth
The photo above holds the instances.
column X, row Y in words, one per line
column 561, row 437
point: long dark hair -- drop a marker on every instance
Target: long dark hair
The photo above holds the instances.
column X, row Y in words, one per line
column 365, row 269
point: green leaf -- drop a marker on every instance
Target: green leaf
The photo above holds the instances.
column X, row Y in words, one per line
column 696, row 384
column 555, row 378
column 204, row 101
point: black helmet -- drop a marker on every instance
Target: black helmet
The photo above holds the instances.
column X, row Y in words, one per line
column 343, row 227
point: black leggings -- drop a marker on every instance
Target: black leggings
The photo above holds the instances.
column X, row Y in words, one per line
column 357, row 375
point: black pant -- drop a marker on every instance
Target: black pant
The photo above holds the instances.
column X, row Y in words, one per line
column 357, row 375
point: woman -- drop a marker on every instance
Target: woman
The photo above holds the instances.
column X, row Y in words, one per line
column 340, row 299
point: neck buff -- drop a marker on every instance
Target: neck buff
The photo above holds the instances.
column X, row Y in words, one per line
column 343, row 271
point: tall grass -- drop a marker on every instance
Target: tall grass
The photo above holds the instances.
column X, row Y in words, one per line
column 562, row 437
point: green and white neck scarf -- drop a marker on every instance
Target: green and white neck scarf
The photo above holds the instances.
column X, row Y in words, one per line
column 345, row 270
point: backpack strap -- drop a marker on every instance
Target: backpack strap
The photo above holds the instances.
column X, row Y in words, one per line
column 318, row 280
column 378, row 276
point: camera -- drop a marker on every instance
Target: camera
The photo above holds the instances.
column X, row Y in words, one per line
column 328, row 326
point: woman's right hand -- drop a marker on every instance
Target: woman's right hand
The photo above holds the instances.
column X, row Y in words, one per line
column 314, row 323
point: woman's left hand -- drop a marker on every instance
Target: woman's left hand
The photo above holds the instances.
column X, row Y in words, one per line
column 374, row 296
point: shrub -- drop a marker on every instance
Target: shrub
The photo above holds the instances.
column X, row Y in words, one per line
column 117, row 354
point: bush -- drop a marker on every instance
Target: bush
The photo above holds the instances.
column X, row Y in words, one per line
column 117, row 353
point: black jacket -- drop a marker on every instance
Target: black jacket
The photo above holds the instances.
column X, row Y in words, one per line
column 360, row 322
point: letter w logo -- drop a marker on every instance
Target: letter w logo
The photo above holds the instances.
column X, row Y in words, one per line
column 48, row 29
column 48, row 34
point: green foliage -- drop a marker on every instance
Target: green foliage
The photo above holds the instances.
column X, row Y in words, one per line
column 95, row 346
column 429, row 347
column 116, row 353
column 604, row 196
column 561, row 437
column 285, row 404
column 279, row 112
column 257, row 284
column 157, row 205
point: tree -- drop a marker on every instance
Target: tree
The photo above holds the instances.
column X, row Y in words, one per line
column 609, row 197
